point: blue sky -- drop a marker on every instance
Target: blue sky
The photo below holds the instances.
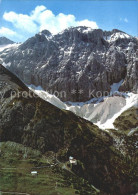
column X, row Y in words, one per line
column 21, row 19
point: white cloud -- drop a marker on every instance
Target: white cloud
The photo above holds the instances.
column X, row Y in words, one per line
column 21, row 21
column 41, row 18
column 124, row 20
column 88, row 23
column 7, row 31
column 57, row 23
column 37, row 11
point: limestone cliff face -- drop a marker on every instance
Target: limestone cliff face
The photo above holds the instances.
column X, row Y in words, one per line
column 27, row 119
column 78, row 58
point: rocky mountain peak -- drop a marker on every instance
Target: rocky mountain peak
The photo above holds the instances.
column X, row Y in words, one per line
column 46, row 32
column 5, row 41
column 116, row 30
column 38, row 40
column 80, row 33
column 115, row 35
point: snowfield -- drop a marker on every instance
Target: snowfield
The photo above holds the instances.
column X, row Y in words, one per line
column 9, row 46
column 117, row 35
column 101, row 111
column 131, row 101
column 4, row 49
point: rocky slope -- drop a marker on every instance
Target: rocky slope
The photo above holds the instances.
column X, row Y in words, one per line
column 101, row 111
column 27, row 119
column 79, row 58
column 127, row 120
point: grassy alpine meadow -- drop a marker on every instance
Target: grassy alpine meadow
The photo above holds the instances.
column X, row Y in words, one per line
column 16, row 164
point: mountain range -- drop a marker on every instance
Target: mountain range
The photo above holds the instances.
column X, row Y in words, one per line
column 79, row 63
column 73, row 94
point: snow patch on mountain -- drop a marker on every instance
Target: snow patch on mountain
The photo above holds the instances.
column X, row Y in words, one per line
column 117, row 35
column 131, row 101
column 132, row 131
column 85, row 30
column 9, row 46
column 47, row 97
column 4, row 49
column 101, row 111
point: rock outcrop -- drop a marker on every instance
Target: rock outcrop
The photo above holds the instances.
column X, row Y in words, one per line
column 77, row 63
